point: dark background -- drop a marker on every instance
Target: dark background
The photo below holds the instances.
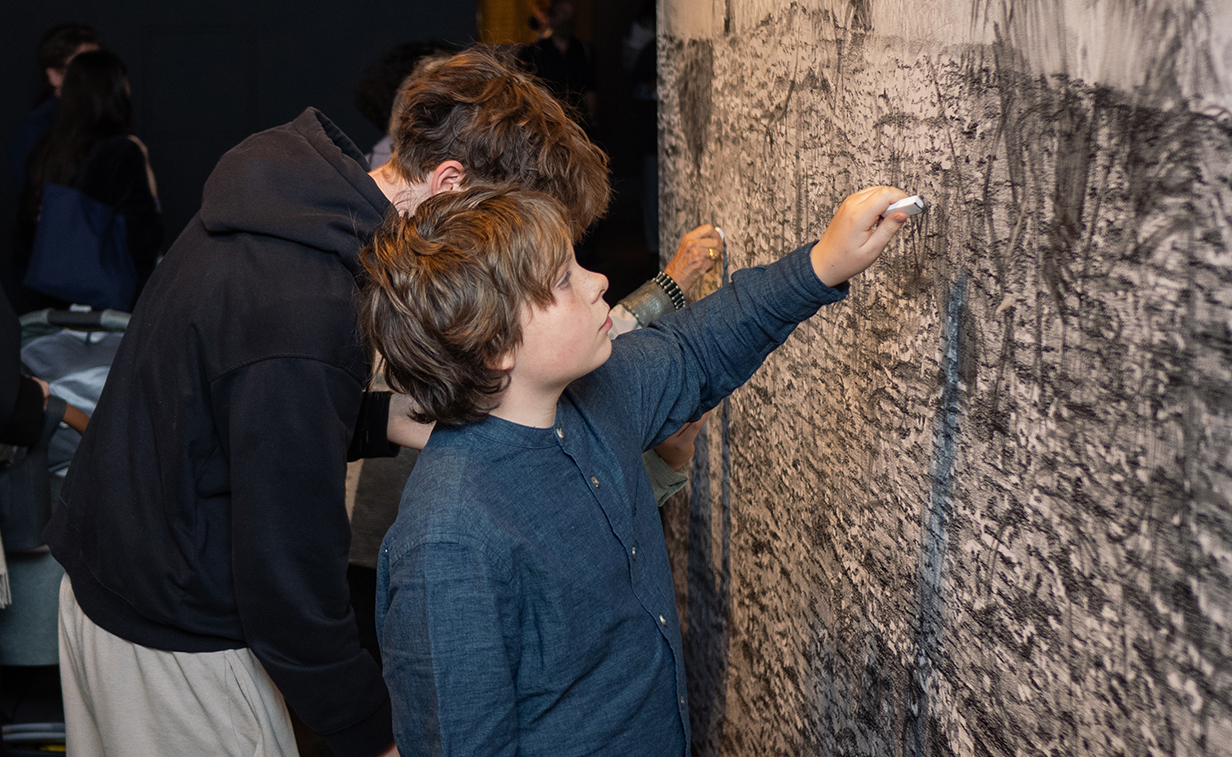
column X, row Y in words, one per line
column 205, row 75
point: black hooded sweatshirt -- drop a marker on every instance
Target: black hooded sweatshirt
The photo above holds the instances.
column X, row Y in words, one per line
column 204, row 509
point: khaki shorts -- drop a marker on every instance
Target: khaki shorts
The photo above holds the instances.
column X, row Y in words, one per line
column 124, row 699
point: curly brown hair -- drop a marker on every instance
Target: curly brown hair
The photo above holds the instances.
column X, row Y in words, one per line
column 480, row 109
column 446, row 288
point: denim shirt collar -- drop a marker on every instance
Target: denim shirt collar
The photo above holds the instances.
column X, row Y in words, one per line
column 515, row 434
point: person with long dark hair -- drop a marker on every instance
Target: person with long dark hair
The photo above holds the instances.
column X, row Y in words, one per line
column 90, row 149
column 56, row 50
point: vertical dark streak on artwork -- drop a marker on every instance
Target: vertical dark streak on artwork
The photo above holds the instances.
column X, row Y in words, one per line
column 708, row 641
column 698, row 641
column 936, row 527
column 801, row 192
column 1073, row 165
column 1001, row 262
column 1014, row 162
column 861, row 16
column 1003, row 265
column 949, row 132
column 999, row 420
column 1010, row 83
column 696, row 98
column 780, row 112
column 724, row 640
column 725, row 602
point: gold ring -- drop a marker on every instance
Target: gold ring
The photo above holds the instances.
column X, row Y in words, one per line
column 712, row 255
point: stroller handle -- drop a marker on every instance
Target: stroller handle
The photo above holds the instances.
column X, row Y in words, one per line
column 78, row 320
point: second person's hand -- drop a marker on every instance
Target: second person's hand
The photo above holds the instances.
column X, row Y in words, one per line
column 699, row 249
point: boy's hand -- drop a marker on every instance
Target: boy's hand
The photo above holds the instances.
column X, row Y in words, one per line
column 857, row 234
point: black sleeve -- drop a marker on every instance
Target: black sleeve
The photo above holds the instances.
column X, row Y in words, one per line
column 372, row 428
column 289, row 544
column 21, row 398
column 25, row 424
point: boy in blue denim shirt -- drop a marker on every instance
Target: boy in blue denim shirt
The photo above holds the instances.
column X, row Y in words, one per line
column 525, row 602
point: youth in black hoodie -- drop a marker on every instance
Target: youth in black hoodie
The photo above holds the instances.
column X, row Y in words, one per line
column 204, row 509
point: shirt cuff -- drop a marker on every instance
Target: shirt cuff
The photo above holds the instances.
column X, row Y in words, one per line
column 663, row 480
column 371, row 437
column 367, row 738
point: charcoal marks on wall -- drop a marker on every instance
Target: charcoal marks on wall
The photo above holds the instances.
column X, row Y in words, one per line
column 1167, row 53
column 935, row 536
column 707, row 642
column 696, row 86
column 1031, row 396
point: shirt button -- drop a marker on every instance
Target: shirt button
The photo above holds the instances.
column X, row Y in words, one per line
column 682, row 701
column 560, row 433
column 635, row 553
column 594, row 481
column 662, row 621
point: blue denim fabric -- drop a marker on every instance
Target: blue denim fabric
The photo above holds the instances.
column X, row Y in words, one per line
column 524, row 601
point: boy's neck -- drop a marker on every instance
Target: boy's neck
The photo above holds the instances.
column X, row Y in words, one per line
column 397, row 190
column 526, row 407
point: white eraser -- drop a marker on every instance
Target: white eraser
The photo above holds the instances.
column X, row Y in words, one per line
column 721, row 234
column 909, row 205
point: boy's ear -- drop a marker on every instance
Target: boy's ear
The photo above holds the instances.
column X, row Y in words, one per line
column 507, row 361
column 449, row 176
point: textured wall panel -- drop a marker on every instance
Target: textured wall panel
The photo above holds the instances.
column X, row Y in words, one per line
column 982, row 507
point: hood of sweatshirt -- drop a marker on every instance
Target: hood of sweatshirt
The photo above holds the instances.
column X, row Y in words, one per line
column 305, row 182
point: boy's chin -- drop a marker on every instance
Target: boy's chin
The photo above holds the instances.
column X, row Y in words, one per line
column 600, row 359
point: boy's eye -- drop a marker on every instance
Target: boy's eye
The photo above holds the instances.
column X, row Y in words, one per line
column 564, row 280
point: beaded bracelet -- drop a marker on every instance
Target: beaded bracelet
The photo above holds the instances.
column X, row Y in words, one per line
column 671, row 288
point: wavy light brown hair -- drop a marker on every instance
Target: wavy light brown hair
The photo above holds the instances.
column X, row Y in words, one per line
column 446, row 288
column 504, row 127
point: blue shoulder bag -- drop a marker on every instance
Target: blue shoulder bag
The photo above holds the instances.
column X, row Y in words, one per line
column 81, row 252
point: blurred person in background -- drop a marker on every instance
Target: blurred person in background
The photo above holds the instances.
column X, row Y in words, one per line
column 60, row 44
column 564, row 63
column 378, row 88
column 90, row 148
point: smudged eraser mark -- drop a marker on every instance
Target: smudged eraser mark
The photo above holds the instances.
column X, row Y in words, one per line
column 912, row 205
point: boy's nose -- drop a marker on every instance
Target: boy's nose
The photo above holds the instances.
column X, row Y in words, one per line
column 600, row 283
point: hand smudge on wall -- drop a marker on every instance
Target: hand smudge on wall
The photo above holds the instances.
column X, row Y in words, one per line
column 982, row 507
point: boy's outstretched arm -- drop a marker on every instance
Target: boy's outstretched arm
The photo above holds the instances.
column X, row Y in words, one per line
column 687, row 361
